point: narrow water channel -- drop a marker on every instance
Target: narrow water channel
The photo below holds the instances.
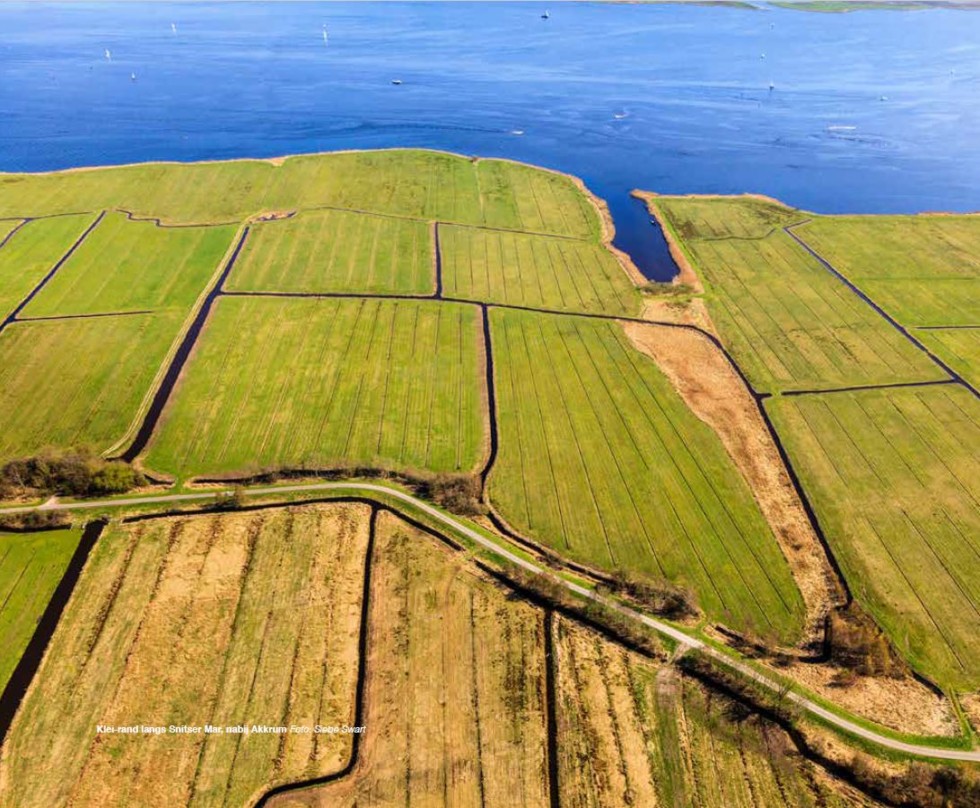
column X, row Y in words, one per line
column 640, row 236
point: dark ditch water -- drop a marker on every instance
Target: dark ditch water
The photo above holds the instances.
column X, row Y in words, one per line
column 23, row 674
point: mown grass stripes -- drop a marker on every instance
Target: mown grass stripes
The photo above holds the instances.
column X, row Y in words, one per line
column 894, row 478
column 321, row 382
column 600, row 458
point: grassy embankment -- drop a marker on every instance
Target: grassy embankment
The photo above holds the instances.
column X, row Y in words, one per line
column 891, row 472
column 250, row 617
column 324, row 383
column 31, row 565
column 601, row 459
column 420, row 184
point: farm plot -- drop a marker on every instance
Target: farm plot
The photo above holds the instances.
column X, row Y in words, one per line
column 523, row 197
column 923, row 270
column 534, row 271
column 322, row 383
column 633, row 733
column 896, row 481
column 958, row 347
column 454, row 697
column 421, row 184
column 792, row 325
column 337, row 251
column 601, row 459
column 247, row 618
column 132, row 266
column 31, row 252
column 31, row 565
column 722, row 217
column 75, row 382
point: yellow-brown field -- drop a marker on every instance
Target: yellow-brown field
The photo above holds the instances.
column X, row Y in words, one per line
column 223, row 619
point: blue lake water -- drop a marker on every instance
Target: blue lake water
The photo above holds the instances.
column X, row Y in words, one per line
column 872, row 111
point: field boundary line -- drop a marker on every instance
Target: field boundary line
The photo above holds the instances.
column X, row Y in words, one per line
column 158, row 394
column 12, row 317
column 956, row 377
column 95, row 315
column 13, row 231
column 30, row 660
column 862, row 387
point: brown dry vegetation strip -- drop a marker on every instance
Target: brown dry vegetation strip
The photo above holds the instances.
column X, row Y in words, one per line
column 631, row 733
column 454, row 688
column 193, row 620
column 716, row 394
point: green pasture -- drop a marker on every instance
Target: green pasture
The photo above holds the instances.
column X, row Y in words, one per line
column 322, row 382
column 601, row 460
column 895, row 479
column 957, row 347
column 337, row 251
column 414, row 183
column 133, row 266
column 522, row 270
column 72, row 382
column 923, row 270
column 31, row 565
column 30, row 254
column 724, row 217
column 789, row 323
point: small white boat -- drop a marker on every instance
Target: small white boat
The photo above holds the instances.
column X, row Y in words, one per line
column 173, row 27
column 108, row 55
column 132, row 77
column 546, row 16
column 772, row 86
column 396, row 81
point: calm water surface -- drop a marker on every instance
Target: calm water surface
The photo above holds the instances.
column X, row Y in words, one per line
column 870, row 111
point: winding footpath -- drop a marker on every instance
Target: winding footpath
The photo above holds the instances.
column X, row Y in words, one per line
column 687, row 642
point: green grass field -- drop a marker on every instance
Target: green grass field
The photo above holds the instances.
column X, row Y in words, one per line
column 31, row 252
column 524, row 270
column 896, row 482
column 31, row 565
column 719, row 217
column 421, row 184
column 958, row 347
column 337, row 251
column 132, row 266
column 788, row 321
column 7, row 227
column 601, row 460
column 321, row 382
column 923, row 270
column 72, row 382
